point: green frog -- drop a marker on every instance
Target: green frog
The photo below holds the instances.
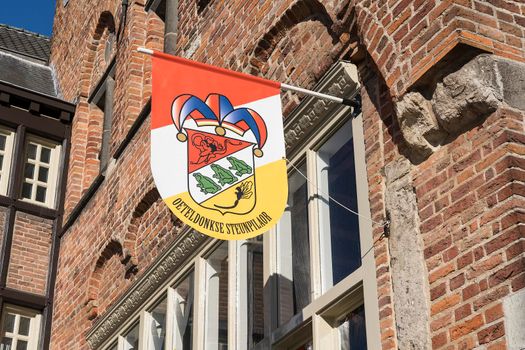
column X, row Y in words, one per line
column 206, row 184
column 223, row 175
column 239, row 166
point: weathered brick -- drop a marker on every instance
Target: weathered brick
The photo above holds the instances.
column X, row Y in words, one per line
column 466, row 327
column 491, row 333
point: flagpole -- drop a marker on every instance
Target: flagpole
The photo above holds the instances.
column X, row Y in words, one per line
column 344, row 101
column 341, row 100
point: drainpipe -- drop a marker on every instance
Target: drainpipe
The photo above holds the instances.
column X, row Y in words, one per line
column 170, row 28
column 108, row 121
column 123, row 18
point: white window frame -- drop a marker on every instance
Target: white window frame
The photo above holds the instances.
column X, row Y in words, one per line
column 51, row 184
column 364, row 277
column 8, row 155
column 34, row 325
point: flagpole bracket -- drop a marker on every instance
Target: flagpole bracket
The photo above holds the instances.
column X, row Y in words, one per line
column 355, row 103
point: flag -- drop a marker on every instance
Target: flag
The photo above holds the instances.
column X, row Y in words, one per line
column 217, row 147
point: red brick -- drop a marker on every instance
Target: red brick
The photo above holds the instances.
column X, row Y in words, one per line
column 457, row 281
column 494, row 313
column 491, row 333
column 462, row 312
column 466, row 327
column 470, row 291
column 439, row 340
column 445, row 303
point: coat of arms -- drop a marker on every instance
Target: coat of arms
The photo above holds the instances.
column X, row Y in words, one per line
column 217, row 148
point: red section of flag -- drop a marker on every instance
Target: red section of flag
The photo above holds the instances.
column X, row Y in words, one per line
column 174, row 76
column 205, row 148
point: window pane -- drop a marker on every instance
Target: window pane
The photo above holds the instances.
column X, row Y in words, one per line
column 29, row 171
column 45, row 155
column 10, row 323
column 41, row 194
column 217, row 299
column 6, row 343
column 26, row 190
column 43, row 174
column 21, row 345
column 23, row 328
column 183, row 334
column 255, row 291
column 339, row 228
column 158, row 326
column 31, row 151
column 131, row 340
column 3, row 140
column 1, row 162
column 353, row 330
column 294, row 269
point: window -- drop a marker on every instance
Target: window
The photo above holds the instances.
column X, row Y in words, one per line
column 324, row 283
column 216, row 318
column 338, row 228
column 352, row 330
column 183, row 296
column 157, row 333
column 40, row 171
column 293, row 251
column 20, row 328
column 6, row 149
column 131, row 339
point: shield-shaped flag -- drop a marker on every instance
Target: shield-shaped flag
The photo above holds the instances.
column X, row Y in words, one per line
column 217, row 147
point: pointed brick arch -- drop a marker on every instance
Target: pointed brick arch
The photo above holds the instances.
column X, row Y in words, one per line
column 130, row 239
column 113, row 249
column 301, row 11
column 105, row 22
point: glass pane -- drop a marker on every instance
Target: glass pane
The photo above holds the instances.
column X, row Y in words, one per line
column 131, row 340
column 3, row 139
column 29, row 171
column 10, row 323
column 255, row 292
column 27, row 188
column 183, row 334
column 45, row 155
column 1, row 162
column 21, row 345
column 31, row 151
column 23, row 328
column 340, row 246
column 293, row 278
column 6, row 343
column 42, row 174
column 217, row 299
column 41, row 194
column 353, row 330
column 158, row 326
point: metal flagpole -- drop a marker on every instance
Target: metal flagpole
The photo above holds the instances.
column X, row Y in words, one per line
column 345, row 101
column 341, row 100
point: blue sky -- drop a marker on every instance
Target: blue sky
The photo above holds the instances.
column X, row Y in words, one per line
column 33, row 15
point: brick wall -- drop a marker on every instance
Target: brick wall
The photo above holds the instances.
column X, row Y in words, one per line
column 30, row 254
column 406, row 38
column 468, row 199
column 471, row 199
